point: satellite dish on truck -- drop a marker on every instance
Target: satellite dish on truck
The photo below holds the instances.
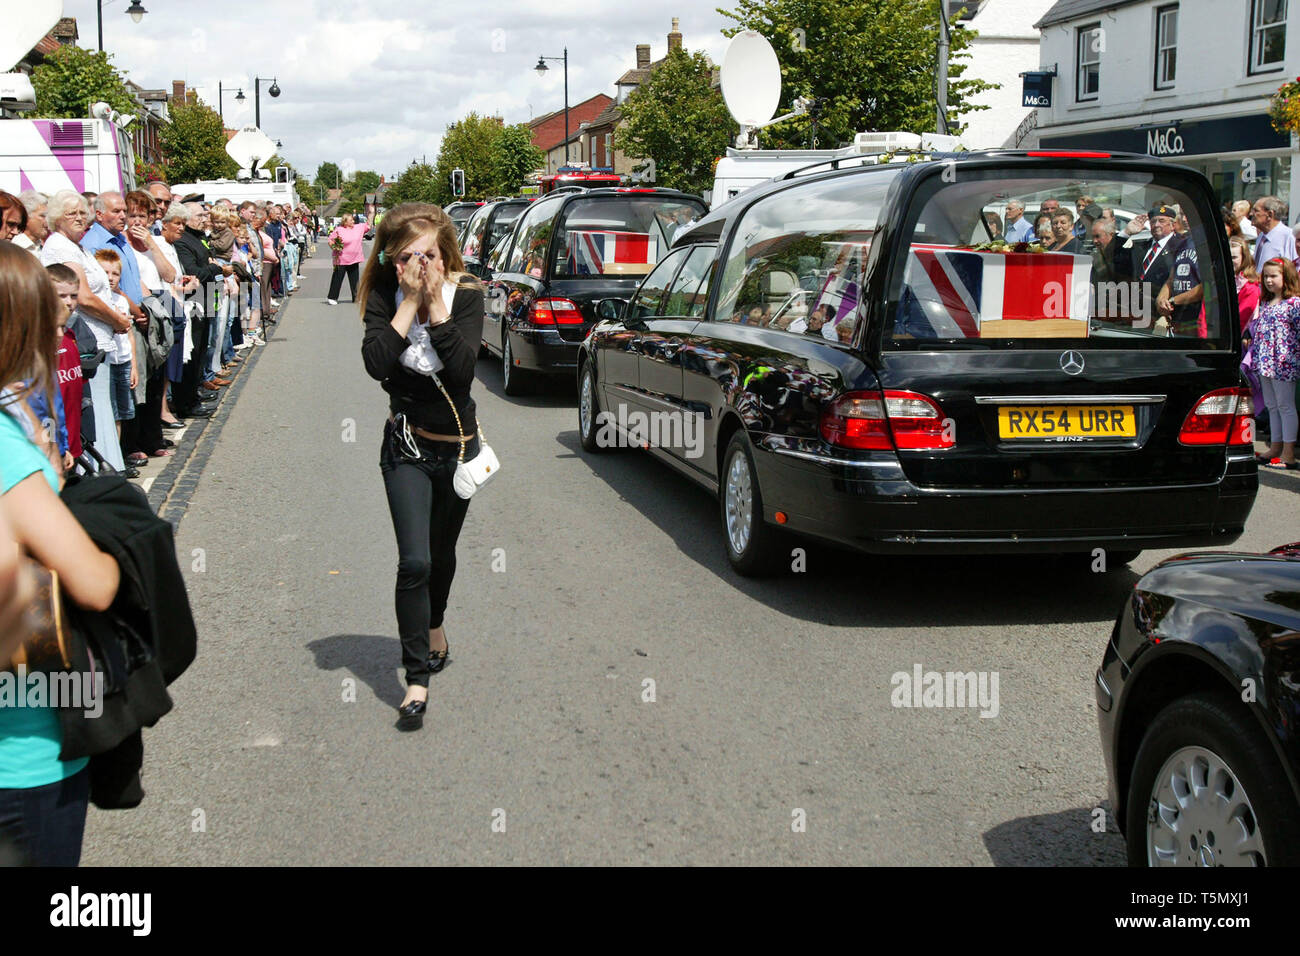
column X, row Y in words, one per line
column 751, row 81
column 25, row 26
column 249, row 147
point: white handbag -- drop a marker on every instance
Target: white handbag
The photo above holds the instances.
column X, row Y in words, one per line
column 470, row 475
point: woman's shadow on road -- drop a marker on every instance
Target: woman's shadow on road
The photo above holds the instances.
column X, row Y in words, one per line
column 366, row 657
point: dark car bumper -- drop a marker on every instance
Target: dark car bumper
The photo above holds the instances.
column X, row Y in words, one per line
column 544, row 351
column 873, row 507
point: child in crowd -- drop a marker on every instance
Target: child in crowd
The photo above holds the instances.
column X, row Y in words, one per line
column 1276, row 347
column 71, row 383
column 124, row 369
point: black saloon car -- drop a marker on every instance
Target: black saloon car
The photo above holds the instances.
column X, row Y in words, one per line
column 1197, row 701
column 846, row 352
column 460, row 213
column 491, row 223
column 568, row 252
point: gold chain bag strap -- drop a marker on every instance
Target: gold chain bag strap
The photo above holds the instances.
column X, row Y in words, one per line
column 470, row 475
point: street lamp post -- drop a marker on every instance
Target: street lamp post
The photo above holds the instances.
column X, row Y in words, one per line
column 239, row 98
column 135, row 11
column 541, row 71
column 257, row 97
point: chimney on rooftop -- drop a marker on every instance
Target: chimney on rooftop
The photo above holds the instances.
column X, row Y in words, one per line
column 178, row 91
column 642, row 56
column 675, row 37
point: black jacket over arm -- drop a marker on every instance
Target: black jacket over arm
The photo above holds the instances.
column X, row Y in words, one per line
column 457, row 342
column 195, row 257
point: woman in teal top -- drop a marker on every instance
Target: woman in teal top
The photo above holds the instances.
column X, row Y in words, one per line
column 42, row 798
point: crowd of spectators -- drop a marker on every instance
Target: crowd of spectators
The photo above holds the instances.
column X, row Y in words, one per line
column 170, row 292
column 121, row 316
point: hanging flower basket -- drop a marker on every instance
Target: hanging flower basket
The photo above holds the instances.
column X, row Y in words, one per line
column 1284, row 107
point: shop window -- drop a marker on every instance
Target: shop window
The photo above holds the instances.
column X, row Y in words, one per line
column 1088, row 48
column 1166, row 46
column 1267, row 35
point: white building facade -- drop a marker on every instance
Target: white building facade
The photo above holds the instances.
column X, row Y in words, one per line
column 1187, row 81
column 1006, row 46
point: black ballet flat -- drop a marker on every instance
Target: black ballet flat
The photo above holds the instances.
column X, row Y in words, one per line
column 438, row 659
column 411, row 716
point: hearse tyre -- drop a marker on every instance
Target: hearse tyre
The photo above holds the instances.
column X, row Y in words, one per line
column 513, row 381
column 588, row 410
column 1207, row 790
column 753, row 546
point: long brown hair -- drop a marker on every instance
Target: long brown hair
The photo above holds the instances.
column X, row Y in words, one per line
column 1247, row 258
column 399, row 228
column 1290, row 279
column 29, row 323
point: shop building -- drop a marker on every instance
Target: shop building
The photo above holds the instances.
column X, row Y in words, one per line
column 1186, row 81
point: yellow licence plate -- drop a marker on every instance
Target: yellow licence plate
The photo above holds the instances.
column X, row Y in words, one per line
column 1066, row 422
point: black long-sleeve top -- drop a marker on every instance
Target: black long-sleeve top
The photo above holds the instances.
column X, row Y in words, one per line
column 457, row 342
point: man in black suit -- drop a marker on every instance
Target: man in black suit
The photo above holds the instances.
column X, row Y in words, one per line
column 1149, row 261
column 196, row 260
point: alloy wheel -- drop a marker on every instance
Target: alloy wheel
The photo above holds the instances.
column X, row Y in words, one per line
column 739, row 504
column 1201, row 815
column 585, row 403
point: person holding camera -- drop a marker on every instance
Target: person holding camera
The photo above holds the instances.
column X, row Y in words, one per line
column 423, row 323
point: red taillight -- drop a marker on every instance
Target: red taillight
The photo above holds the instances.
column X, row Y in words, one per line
column 556, row 312
column 873, row 421
column 1067, row 154
column 1222, row 417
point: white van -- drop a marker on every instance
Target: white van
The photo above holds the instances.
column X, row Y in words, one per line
column 237, row 191
column 84, row 155
column 742, row 168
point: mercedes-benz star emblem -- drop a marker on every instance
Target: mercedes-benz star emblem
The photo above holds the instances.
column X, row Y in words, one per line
column 1071, row 362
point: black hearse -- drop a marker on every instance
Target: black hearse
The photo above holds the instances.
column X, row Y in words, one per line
column 847, row 352
column 570, row 250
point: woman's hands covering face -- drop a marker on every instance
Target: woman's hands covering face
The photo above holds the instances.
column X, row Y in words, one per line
column 411, row 278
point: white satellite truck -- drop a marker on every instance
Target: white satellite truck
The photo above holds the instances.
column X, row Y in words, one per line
column 751, row 87
column 85, row 155
column 249, row 147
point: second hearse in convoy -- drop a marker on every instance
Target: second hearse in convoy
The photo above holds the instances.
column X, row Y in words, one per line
column 848, row 353
column 568, row 251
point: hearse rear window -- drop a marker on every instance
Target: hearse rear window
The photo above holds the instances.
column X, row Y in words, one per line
column 799, row 257
column 1121, row 259
column 617, row 236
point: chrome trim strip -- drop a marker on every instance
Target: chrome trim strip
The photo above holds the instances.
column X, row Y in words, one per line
column 1250, row 457
column 827, row 460
column 1066, row 399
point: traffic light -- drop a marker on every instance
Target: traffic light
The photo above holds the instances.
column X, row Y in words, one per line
column 458, row 182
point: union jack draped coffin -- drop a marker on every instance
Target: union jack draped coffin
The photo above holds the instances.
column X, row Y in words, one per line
column 591, row 252
column 949, row 292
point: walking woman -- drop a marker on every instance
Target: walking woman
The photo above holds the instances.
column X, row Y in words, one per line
column 42, row 798
column 423, row 318
column 345, row 243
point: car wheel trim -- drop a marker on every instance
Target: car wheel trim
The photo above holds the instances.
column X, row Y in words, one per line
column 739, row 503
column 584, row 403
column 1201, row 815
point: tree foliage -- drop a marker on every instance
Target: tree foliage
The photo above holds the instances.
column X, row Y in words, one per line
column 194, row 144
column 870, row 66
column 469, row 144
column 418, row 183
column 328, row 175
column 516, row 159
column 72, row 78
column 363, row 181
column 677, row 120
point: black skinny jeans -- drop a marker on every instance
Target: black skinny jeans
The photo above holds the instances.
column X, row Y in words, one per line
column 336, row 280
column 427, row 518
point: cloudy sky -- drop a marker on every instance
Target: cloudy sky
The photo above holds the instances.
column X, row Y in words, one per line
column 372, row 84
